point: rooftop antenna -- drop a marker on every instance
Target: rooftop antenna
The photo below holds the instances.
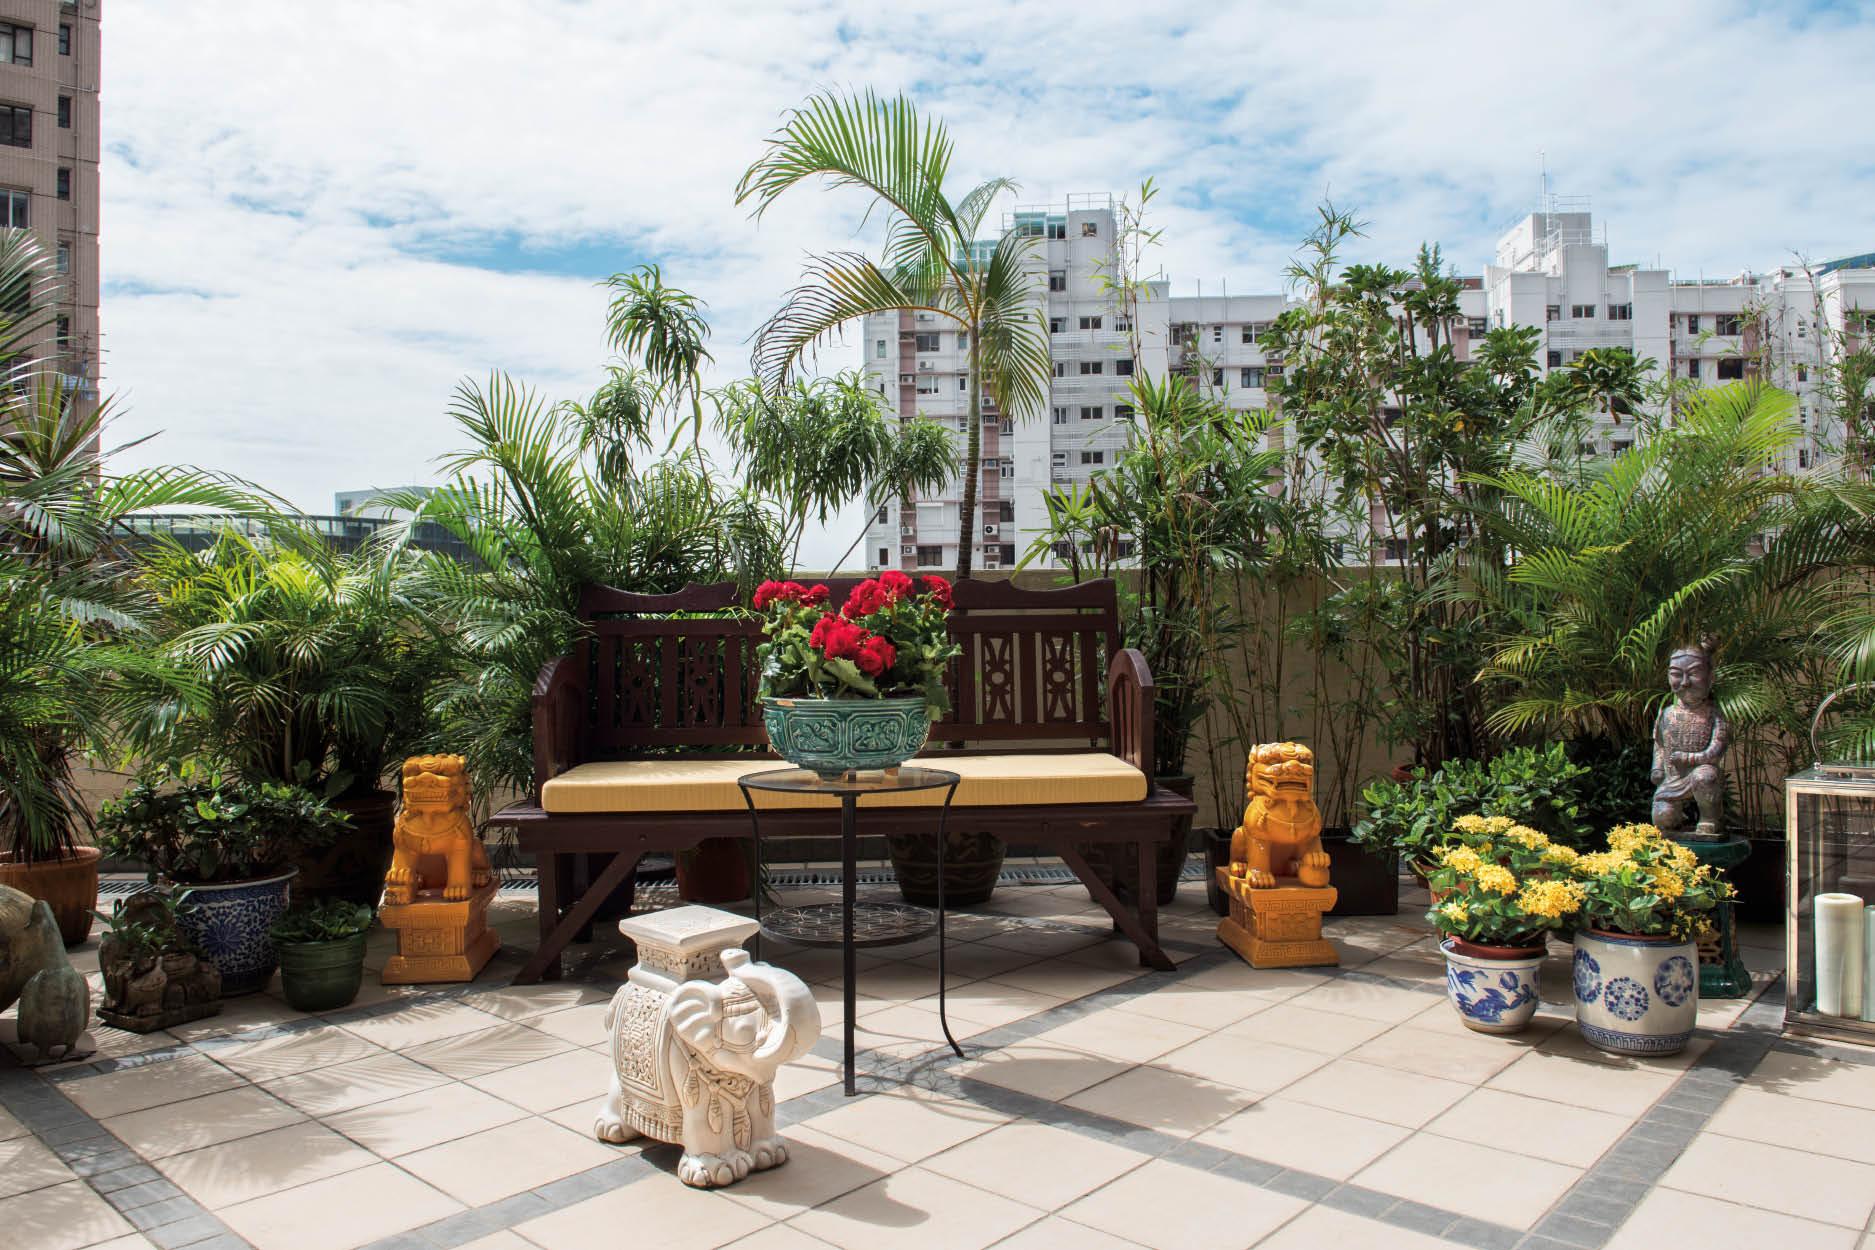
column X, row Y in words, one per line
column 1542, row 163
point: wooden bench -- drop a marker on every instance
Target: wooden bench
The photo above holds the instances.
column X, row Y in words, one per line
column 640, row 733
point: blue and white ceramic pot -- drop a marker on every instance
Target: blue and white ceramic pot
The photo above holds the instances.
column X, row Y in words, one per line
column 229, row 922
column 835, row 736
column 1635, row 995
column 1494, row 988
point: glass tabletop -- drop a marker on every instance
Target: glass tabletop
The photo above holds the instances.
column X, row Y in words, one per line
column 886, row 781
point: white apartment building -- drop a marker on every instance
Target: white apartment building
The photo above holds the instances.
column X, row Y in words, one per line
column 1551, row 271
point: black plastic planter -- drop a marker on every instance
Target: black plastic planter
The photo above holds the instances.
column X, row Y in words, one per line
column 1366, row 884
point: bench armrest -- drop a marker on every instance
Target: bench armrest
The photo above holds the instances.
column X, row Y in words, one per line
column 1129, row 708
column 559, row 699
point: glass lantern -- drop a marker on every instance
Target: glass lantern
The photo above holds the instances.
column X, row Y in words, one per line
column 1830, row 928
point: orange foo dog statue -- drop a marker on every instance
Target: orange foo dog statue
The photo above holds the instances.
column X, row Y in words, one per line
column 437, row 891
column 1277, row 878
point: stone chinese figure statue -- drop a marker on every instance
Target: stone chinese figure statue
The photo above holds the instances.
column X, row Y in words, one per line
column 1690, row 738
column 694, row 1058
column 1277, row 878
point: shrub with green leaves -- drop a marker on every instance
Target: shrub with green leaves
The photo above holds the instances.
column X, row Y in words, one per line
column 199, row 832
column 1534, row 786
column 326, row 920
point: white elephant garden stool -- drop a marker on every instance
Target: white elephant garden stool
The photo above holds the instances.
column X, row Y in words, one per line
column 694, row 1059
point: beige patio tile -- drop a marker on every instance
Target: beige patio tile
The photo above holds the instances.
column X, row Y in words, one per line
column 426, row 1118
column 288, row 1054
column 579, row 1026
column 1326, row 1032
column 129, row 1241
column 659, row 1210
column 413, row 1024
column 26, row 1165
column 1363, row 1089
column 340, row 1211
column 555, row 1081
column 898, row 982
column 1035, row 1164
column 328, row 1091
column 916, row 1210
column 1051, row 1072
column 1821, row 1077
column 1775, row 1178
column 913, row 1022
column 1469, row 1057
column 1054, row 1233
column 1061, row 979
column 1116, row 952
column 1667, row 1217
column 1441, row 1017
column 235, row 1171
column 990, row 1003
column 1166, row 1204
column 820, row 1167
column 778, row 1237
column 1620, row 1088
column 10, row 1127
column 1260, row 1067
column 1272, row 984
column 975, row 960
column 1309, row 1139
column 503, row 1240
column 1561, row 1133
column 496, row 1162
column 1473, row 1180
column 1160, row 1098
column 205, row 1121
column 522, row 1002
column 148, row 1085
column 1202, row 1009
column 1122, row 1035
column 1799, row 1123
column 61, row 1217
column 237, row 1016
column 487, row 1050
column 1041, row 943
column 805, row 1075
column 1386, row 1003
column 1324, row 1228
column 1570, row 1044
column 908, row 1123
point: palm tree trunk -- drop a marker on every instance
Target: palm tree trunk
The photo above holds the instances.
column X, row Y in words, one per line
column 973, row 455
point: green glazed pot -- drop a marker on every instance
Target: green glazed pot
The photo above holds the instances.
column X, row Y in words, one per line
column 835, row 736
column 322, row 976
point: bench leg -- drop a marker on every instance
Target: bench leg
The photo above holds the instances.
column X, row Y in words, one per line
column 1130, row 921
column 557, row 930
column 544, row 964
column 1148, row 900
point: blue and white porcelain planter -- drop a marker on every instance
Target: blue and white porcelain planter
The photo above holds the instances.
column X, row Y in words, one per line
column 1494, row 988
column 1635, row 995
column 835, row 736
column 229, row 922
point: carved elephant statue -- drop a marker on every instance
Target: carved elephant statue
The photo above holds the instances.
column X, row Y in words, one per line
column 55, row 1001
column 697, row 1066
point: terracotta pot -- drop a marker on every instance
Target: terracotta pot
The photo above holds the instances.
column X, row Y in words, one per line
column 716, row 871
column 1488, row 950
column 70, row 885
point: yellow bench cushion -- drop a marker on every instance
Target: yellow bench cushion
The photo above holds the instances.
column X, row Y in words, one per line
column 709, row 785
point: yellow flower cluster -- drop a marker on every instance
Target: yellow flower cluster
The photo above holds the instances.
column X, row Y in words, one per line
column 1496, row 878
column 1667, row 883
column 1455, row 911
column 1527, row 837
column 1601, row 862
column 1560, row 856
column 1490, row 826
column 1551, row 900
column 1461, row 859
column 1630, row 838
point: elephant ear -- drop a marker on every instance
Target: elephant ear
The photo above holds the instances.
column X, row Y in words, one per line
column 695, row 1013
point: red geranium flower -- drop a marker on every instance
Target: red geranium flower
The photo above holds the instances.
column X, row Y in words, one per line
column 816, row 596
column 866, row 598
column 938, row 588
column 876, row 656
column 895, row 584
column 771, row 592
column 836, row 639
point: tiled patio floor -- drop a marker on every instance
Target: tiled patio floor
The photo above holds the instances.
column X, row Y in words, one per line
column 1099, row 1106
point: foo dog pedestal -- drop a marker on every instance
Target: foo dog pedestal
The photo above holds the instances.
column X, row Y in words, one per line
column 694, row 1059
column 438, row 940
column 1279, row 927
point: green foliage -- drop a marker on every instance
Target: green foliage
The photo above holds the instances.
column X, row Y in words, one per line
column 1533, row 786
column 326, row 920
column 663, row 327
column 207, row 830
column 147, row 925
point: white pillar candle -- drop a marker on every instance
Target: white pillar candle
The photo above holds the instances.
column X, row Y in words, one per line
column 1868, row 963
column 1839, row 945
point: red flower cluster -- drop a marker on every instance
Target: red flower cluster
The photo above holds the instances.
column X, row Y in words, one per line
column 876, row 594
column 788, row 592
column 938, row 588
column 840, row 639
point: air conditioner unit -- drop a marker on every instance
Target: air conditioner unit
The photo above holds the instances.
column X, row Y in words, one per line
column 906, row 379
column 924, row 364
column 990, row 566
column 906, row 531
column 907, row 549
column 989, row 531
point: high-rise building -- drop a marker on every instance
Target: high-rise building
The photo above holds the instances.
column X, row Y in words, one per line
column 49, row 77
column 1551, row 272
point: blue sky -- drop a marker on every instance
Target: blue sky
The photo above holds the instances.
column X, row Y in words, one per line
column 317, row 219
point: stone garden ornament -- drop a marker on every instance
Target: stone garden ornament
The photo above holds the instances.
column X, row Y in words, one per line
column 1690, row 739
column 1277, row 878
column 54, row 1000
column 694, row 1058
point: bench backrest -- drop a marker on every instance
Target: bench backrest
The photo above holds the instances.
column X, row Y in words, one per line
column 680, row 670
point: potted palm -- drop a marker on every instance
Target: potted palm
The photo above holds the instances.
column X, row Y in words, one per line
column 225, row 849
column 322, row 952
column 1645, row 902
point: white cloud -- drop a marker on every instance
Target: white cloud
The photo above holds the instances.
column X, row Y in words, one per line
column 282, row 179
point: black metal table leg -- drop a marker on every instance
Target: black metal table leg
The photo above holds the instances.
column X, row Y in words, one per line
column 943, row 821
column 755, row 869
column 850, row 965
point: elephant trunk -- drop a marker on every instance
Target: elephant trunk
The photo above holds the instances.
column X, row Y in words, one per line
column 786, row 999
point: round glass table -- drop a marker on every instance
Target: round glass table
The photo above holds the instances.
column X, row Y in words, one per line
column 850, row 924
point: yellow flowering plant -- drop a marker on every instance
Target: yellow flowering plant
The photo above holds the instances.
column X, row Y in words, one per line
column 1647, row 885
column 1500, row 883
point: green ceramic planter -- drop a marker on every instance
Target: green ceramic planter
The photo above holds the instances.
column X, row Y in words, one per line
column 322, row 976
column 835, row 736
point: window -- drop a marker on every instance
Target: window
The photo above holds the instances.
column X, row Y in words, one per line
column 1250, row 334
column 1692, row 368
column 1061, row 368
column 1803, row 457
column 1060, row 457
column 1803, row 373
column 1057, row 229
column 926, row 342
column 878, row 349
column 1090, row 323
column 1217, row 334
column 16, row 44
column 1090, row 230
column 1582, row 312
column 1620, row 312
column 963, row 384
column 1396, row 549
column 1478, row 325
column 64, row 257
column 1093, row 457
column 64, row 331
column 1621, row 446
column 1552, row 312
column 1123, row 412
column 1061, row 416
column 1217, row 377
column 1057, row 279
column 65, row 112
column 1123, row 367
column 1057, row 324
column 1732, row 369
column 1692, row 323
column 1091, row 413
column 883, row 514
column 930, row 555
column 885, row 556
column 65, row 39
column 1122, row 325
column 1728, row 325
column 1555, row 358
column 1090, row 367
column 963, row 341
column 927, row 386
column 13, row 209
column 1249, row 377
column 1009, row 468
column 16, row 125
column 1006, row 510
column 1008, row 553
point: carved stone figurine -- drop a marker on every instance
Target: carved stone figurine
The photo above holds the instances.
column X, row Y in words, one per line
column 54, row 1000
column 434, row 843
column 1277, row 878
column 1690, row 738
column 694, row 1059
column 151, row 979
